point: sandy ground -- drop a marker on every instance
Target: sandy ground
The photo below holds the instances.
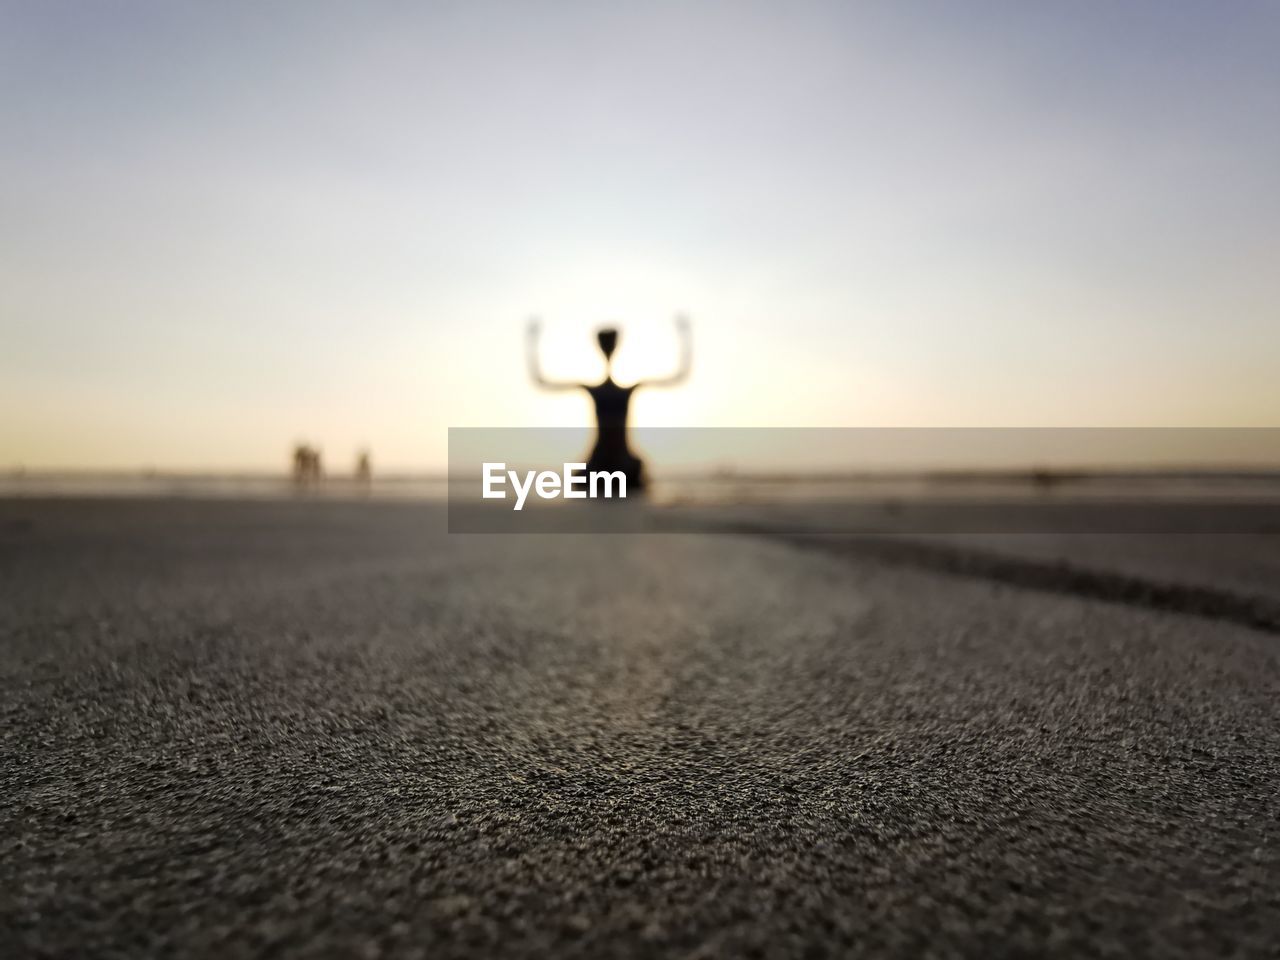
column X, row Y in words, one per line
column 251, row 728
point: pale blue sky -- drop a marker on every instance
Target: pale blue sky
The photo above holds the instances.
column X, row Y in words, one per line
column 224, row 227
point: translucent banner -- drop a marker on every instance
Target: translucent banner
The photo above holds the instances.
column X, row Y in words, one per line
column 865, row 480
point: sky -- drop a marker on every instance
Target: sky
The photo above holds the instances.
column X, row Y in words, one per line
column 228, row 227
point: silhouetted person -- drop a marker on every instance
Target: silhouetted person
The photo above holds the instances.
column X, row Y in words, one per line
column 364, row 468
column 613, row 401
column 307, row 467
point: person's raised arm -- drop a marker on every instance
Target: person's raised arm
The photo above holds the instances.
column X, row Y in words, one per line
column 685, row 333
column 535, row 368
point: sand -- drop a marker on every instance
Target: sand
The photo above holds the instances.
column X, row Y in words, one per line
column 329, row 729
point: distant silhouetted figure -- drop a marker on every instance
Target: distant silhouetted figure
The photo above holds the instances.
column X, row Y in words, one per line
column 364, row 468
column 612, row 400
column 307, row 468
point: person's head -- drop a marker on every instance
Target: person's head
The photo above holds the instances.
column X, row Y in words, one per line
column 607, row 337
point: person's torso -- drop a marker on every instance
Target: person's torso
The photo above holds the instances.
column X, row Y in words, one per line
column 612, row 403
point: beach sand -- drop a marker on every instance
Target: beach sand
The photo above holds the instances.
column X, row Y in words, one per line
column 235, row 728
